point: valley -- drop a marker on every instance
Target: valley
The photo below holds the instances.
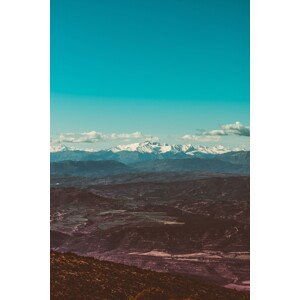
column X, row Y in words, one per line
column 164, row 222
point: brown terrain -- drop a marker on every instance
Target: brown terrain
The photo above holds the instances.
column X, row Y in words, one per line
column 77, row 277
column 194, row 227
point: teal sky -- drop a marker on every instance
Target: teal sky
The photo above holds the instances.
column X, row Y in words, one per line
column 161, row 67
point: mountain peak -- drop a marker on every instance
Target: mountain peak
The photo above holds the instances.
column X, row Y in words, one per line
column 64, row 148
column 156, row 148
column 151, row 147
column 144, row 147
column 59, row 148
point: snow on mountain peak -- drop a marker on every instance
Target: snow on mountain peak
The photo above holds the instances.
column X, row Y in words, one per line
column 63, row 148
column 143, row 147
column 59, row 148
column 156, row 148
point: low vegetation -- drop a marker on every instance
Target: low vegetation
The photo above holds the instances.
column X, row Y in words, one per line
column 78, row 277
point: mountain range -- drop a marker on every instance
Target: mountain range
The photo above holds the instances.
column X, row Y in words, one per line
column 146, row 151
column 148, row 157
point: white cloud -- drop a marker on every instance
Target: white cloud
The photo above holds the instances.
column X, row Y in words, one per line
column 236, row 128
column 200, row 138
column 94, row 137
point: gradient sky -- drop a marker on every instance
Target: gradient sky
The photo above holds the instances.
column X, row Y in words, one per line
column 161, row 67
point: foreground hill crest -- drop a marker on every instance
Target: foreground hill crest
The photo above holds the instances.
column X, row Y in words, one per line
column 77, row 277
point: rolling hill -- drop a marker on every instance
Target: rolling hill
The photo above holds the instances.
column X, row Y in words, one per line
column 191, row 165
column 88, row 168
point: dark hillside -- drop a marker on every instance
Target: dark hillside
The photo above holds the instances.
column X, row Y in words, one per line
column 77, row 277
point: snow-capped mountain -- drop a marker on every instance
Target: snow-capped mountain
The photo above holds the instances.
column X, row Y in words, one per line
column 153, row 147
column 145, row 151
column 59, row 148
column 158, row 148
column 64, row 148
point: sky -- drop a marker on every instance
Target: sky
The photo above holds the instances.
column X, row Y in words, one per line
column 176, row 71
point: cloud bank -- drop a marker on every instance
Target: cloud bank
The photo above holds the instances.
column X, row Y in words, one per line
column 236, row 128
column 95, row 137
column 200, row 138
